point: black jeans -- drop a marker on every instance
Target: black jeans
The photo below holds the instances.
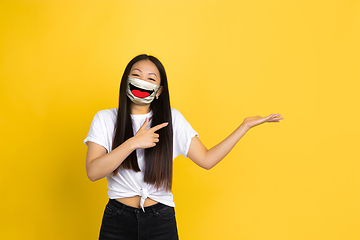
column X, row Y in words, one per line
column 123, row 222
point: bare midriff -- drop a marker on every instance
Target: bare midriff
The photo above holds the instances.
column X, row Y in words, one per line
column 135, row 201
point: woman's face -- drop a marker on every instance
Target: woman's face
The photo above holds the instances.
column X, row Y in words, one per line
column 145, row 70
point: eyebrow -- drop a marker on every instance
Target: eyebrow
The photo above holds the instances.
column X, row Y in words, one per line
column 141, row 71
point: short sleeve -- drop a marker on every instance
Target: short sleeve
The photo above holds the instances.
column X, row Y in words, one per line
column 96, row 133
column 183, row 133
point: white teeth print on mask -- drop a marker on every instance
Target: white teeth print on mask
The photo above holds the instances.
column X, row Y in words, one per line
column 141, row 92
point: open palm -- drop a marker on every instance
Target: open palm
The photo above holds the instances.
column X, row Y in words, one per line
column 254, row 121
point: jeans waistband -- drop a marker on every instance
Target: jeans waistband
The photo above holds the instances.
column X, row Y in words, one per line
column 153, row 208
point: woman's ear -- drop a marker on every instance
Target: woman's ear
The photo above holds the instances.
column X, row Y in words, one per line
column 159, row 91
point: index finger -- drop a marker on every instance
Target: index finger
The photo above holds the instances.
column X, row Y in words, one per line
column 157, row 127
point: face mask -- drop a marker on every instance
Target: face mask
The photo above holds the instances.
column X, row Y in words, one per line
column 141, row 92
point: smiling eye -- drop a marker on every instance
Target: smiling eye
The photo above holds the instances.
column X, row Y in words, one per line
column 152, row 79
column 136, row 75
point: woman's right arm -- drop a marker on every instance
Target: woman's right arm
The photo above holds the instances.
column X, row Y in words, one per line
column 99, row 163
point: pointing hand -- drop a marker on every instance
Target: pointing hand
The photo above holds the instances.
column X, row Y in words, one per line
column 146, row 138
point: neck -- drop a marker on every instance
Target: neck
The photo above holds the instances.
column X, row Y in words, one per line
column 139, row 109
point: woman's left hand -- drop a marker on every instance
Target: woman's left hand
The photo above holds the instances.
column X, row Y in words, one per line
column 254, row 121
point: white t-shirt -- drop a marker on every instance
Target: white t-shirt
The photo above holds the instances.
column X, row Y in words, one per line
column 128, row 183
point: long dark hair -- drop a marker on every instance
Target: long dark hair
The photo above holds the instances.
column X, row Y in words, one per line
column 158, row 159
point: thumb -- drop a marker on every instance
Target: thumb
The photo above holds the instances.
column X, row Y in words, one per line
column 145, row 124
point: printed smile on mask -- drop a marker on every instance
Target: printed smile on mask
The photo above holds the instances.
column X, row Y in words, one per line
column 139, row 92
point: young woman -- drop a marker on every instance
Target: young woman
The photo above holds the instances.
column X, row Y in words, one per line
column 134, row 147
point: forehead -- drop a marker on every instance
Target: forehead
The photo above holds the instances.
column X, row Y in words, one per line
column 146, row 66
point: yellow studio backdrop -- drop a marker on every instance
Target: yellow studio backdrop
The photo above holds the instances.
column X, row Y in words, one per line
column 62, row 61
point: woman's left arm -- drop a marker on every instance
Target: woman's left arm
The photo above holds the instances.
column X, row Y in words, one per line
column 207, row 159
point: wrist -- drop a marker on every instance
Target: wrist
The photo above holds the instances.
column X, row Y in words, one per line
column 132, row 143
column 243, row 127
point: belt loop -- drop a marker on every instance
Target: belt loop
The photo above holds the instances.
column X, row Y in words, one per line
column 154, row 210
column 122, row 208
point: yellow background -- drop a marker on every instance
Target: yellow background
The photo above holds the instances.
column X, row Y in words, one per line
column 61, row 62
